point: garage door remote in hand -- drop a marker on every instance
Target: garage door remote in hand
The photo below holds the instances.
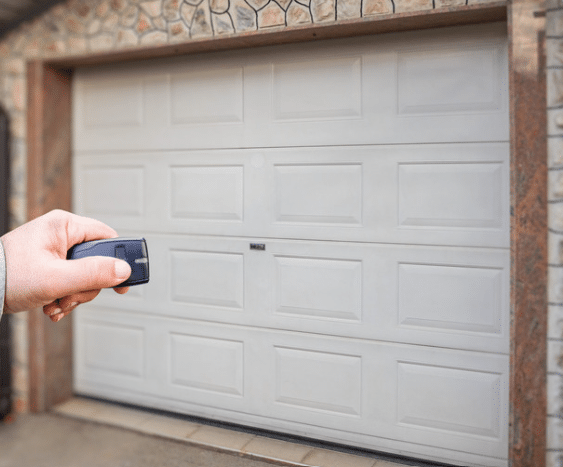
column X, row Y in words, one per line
column 132, row 250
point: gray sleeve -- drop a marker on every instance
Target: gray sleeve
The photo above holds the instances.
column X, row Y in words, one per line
column 2, row 277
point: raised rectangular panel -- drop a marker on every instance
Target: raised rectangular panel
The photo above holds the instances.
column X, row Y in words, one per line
column 113, row 104
column 207, row 96
column 320, row 381
column 318, row 89
column 329, row 194
column 450, row 399
column 113, row 190
column 212, row 193
column 451, row 297
column 207, row 364
column 464, row 195
column 319, row 288
column 207, row 278
column 114, row 348
column 441, row 81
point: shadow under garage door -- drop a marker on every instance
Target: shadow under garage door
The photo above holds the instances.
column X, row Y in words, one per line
column 374, row 174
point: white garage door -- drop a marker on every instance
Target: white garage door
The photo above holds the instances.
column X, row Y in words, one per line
column 375, row 174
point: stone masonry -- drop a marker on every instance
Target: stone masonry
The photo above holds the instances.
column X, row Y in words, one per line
column 82, row 27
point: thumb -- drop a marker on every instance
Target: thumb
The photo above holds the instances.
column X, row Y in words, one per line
column 92, row 273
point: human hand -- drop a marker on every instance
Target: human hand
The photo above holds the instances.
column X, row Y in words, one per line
column 39, row 275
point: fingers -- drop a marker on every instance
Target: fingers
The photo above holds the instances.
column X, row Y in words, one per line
column 52, row 309
column 62, row 307
column 90, row 229
column 81, row 280
column 65, row 229
column 84, row 229
column 91, row 273
column 121, row 290
column 55, row 318
column 58, row 309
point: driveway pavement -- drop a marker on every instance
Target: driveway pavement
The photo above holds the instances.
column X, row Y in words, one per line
column 49, row 440
column 90, row 433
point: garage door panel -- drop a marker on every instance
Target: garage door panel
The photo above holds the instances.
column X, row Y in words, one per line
column 321, row 193
column 480, row 391
column 167, row 191
column 463, row 298
column 319, row 288
column 318, row 381
column 113, row 104
column 474, row 195
column 199, row 102
column 451, row 89
column 454, row 297
column 111, row 350
column 207, row 97
column 227, row 374
column 207, row 192
column 206, row 364
column 207, row 278
column 325, row 382
column 446, row 89
column 124, row 193
column 458, row 292
column 450, row 400
column 300, row 88
column 103, row 342
column 466, row 398
column 428, row 194
column 449, row 81
column 447, row 297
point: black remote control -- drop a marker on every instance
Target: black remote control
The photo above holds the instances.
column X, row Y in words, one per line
column 132, row 250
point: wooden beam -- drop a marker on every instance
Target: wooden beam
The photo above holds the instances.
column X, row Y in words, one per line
column 48, row 187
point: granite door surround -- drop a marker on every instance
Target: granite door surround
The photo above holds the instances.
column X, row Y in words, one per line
column 48, row 182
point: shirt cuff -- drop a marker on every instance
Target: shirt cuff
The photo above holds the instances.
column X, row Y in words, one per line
column 2, row 277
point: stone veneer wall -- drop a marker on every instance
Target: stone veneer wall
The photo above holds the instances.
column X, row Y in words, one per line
column 554, row 57
column 82, row 27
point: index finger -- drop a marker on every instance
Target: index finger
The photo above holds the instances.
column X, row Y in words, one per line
column 84, row 229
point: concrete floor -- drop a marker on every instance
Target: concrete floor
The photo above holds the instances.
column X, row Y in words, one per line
column 220, row 438
column 50, row 440
column 83, row 432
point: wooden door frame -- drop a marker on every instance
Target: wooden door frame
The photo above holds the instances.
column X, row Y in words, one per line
column 4, row 171
column 5, row 334
column 49, row 182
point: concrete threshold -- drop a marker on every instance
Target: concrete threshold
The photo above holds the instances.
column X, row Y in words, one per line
column 279, row 452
